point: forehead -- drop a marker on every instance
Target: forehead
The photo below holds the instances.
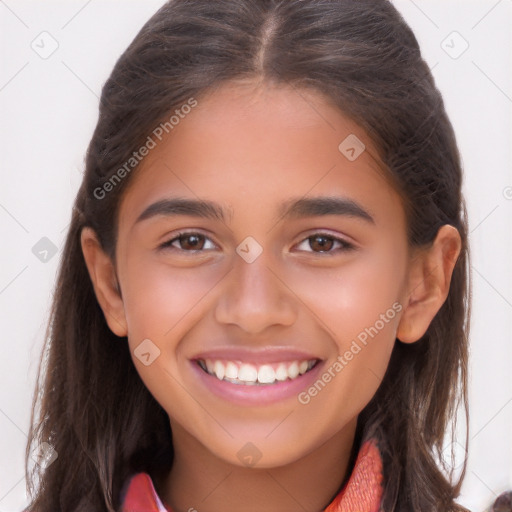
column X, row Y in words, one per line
column 253, row 145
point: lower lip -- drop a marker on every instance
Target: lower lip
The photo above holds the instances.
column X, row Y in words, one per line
column 242, row 394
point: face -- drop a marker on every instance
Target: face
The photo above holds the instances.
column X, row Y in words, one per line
column 270, row 314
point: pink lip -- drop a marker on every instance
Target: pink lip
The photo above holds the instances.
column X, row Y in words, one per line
column 260, row 356
column 247, row 395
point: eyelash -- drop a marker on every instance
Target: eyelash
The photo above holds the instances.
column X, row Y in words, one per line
column 345, row 246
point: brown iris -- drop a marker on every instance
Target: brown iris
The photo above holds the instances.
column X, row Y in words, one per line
column 191, row 241
column 320, row 242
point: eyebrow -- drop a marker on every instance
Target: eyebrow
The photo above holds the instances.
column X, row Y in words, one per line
column 318, row 206
column 179, row 206
column 293, row 208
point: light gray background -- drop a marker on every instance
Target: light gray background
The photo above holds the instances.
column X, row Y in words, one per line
column 48, row 113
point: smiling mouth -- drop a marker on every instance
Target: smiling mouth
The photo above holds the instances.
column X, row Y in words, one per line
column 248, row 374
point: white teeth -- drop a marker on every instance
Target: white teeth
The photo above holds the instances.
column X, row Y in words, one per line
column 218, row 368
column 266, row 374
column 281, row 372
column 293, row 370
column 249, row 374
column 231, row 370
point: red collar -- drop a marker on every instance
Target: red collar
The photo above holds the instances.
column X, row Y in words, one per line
column 362, row 492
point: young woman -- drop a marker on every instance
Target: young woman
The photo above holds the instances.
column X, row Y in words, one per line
column 263, row 299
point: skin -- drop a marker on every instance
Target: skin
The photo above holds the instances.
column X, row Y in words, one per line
column 249, row 147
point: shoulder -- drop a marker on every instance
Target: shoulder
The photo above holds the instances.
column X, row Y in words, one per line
column 139, row 494
column 503, row 503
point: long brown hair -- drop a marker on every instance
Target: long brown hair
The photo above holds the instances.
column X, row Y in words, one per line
column 91, row 404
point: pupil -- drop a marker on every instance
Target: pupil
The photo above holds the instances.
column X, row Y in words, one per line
column 324, row 243
column 195, row 240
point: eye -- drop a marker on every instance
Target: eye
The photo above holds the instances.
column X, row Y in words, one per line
column 188, row 242
column 323, row 242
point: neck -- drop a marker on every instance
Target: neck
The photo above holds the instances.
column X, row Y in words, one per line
column 201, row 481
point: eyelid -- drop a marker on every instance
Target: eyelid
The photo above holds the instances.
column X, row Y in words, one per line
column 173, row 237
column 346, row 245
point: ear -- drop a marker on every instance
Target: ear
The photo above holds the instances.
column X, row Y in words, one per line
column 429, row 279
column 104, row 280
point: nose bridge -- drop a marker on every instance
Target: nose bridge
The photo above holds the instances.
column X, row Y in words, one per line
column 254, row 298
column 255, row 281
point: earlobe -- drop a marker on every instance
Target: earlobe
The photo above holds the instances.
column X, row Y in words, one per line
column 103, row 276
column 428, row 283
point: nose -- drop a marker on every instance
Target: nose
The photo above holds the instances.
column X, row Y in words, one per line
column 256, row 297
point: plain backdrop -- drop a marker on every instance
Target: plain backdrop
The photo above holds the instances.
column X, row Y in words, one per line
column 48, row 113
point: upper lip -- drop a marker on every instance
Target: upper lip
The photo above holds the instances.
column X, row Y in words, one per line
column 256, row 356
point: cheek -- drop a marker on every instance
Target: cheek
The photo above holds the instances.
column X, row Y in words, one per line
column 353, row 296
column 357, row 306
column 161, row 304
column 360, row 319
column 158, row 297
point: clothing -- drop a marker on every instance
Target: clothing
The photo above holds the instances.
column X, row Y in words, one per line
column 362, row 492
